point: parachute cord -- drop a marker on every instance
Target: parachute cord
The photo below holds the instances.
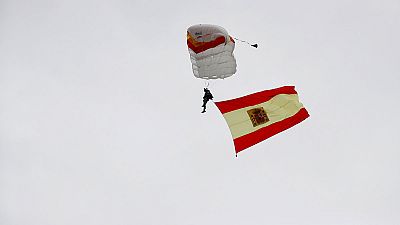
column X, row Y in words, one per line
column 206, row 83
column 253, row 45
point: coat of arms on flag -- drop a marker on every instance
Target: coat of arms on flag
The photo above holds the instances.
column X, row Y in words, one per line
column 257, row 116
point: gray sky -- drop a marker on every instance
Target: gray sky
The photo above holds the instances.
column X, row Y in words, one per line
column 100, row 117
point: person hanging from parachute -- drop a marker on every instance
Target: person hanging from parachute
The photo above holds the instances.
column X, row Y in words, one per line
column 207, row 96
column 211, row 53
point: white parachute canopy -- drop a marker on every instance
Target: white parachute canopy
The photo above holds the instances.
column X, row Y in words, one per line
column 211, row 51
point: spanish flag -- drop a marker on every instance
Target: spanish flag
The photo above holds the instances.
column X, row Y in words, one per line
column 256, row 117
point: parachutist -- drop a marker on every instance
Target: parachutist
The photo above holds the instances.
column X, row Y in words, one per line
column 207, row 96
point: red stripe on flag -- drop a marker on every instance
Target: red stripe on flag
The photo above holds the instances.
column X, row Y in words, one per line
column 253, row 99
column 255, row 137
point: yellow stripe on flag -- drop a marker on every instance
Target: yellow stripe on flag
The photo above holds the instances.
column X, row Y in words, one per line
column 277, row 109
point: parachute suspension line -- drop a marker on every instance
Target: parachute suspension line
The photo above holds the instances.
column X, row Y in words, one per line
column 206, row 83
column 253, row 45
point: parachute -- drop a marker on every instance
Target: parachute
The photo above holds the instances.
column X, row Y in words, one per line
column 211, row 51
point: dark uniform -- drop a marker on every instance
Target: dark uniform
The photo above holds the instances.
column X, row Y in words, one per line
column 207, row 96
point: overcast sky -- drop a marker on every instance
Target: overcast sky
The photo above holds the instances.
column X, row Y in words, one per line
column 100, row 119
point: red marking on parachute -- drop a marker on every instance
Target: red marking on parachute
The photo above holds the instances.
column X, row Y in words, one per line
column 198, row 47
